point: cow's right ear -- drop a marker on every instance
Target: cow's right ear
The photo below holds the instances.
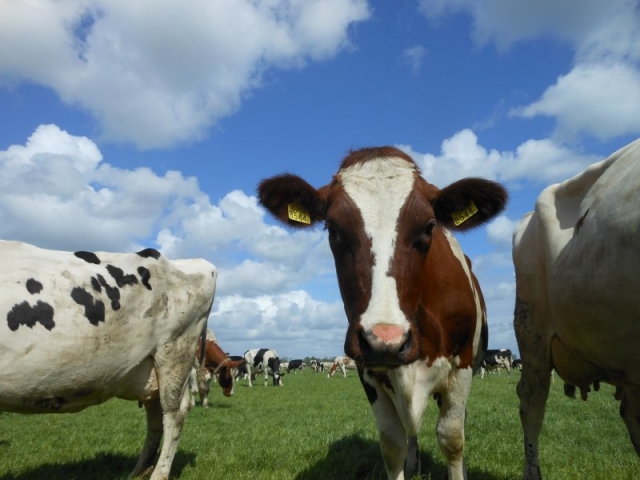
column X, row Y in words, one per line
column 292, row 200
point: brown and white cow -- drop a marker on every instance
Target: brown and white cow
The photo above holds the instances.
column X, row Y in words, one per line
column 416, row 315
column 215, row 363
column 81, row 328
column 343, row 363
column 577, row 258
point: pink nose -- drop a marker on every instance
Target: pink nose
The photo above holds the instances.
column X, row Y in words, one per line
column 384, row 344
column 388, row 334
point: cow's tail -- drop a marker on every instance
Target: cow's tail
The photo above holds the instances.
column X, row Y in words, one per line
column 203, row 347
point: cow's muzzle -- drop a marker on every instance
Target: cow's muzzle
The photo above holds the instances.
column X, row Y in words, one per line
column 385, row 346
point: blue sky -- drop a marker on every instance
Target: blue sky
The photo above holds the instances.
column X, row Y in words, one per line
column 150, row 123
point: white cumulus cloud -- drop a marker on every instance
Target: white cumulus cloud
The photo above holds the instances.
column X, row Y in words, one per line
column 158, row 72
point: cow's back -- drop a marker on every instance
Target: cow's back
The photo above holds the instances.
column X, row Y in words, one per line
column 77, row 329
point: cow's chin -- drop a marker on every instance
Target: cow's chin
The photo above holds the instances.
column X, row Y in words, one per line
column 381, row 368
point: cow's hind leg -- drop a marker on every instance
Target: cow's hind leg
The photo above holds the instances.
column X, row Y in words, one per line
column 173, row 423
column 149, row 455
column 534, row 384
column 172, row 371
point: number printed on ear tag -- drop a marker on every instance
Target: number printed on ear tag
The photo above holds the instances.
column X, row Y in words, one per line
column 464, row 215
column 298, row 214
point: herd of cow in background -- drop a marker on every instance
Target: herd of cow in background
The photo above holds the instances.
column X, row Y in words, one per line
column 417, row 325
column 228, row 369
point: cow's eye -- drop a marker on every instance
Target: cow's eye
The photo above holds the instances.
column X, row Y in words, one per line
column 423, row 241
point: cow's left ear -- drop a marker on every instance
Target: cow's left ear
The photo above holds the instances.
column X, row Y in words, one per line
column 468, row 203
column 292, row 200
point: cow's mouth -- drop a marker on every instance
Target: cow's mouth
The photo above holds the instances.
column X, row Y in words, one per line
column 379, row 356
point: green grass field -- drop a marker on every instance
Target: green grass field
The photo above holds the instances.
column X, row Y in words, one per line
column 315, row 428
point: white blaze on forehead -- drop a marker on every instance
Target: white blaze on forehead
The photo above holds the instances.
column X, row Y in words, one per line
column 379, row 188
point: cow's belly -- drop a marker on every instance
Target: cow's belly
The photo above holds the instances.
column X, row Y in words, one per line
column 61, row 371
column 605, row 336
column 74, row 388
column 594, row 299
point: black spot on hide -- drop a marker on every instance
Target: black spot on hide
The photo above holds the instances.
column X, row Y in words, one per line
column 112, row 292
column 369, row 390
column 150, row 253
column 33, row 286
column 120, row 277
column 27, row 315
column 88, row 257
column 145, row 276
column 257, row 360
column 93, row 310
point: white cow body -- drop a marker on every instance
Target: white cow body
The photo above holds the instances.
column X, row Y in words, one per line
column 343, row 363
column 578, row 291
column 80, row 329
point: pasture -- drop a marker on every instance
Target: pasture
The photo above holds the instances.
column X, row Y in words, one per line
column 315, row 428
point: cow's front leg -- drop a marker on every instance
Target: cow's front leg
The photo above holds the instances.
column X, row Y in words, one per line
column 450, row 429
column 392, row 436
column 534, row 384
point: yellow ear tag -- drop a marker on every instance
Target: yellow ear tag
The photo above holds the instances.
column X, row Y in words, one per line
column 298, row 214
column 464, row 215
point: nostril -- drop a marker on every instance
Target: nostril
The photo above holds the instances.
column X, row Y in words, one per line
column 365, row 347
column 406, row 346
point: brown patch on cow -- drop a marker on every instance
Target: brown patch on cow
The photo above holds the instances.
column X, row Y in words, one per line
column 216, row 361
column 441, row 302
column 580, row 222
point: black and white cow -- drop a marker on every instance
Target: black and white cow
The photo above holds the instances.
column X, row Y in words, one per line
column 81, row 328
column 296, row 365
column 495, row 360
column 517, row 364
column 263, row 360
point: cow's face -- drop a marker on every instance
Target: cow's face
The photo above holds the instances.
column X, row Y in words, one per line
column 225, row 373
column 383, row 220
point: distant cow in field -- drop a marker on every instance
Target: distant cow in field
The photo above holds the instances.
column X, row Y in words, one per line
column 82, row 328
column 577, row 259
column 317, row 365
column 215, row 364
column 517, row 364
column 417, row 325
column 295, row 365
column 263, row 360
column 343, row 363
column 494, row 360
